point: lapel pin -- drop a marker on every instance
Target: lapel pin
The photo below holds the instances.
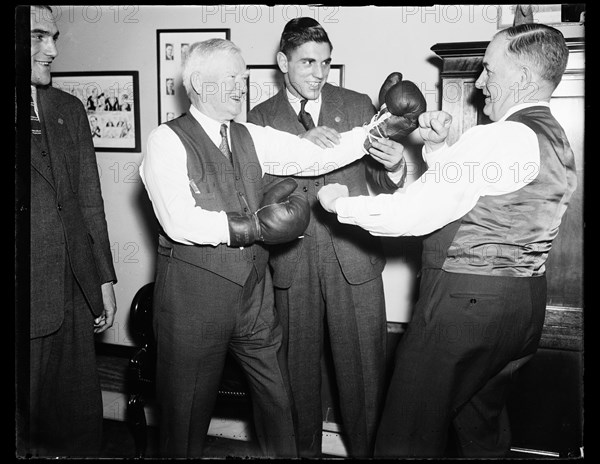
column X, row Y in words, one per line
column 338, row 119
column 60, row 120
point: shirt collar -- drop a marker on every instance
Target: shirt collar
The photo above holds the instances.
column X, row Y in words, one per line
column 211, row 126
column 522, row 106
column 312, row 106
column 34, row 97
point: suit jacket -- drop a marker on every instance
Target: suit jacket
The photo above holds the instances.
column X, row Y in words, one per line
column 358, row 252
column 69, row 236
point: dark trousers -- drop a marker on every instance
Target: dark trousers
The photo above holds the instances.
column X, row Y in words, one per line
column 467, row 338
column 199, row 317
column 356, row 322
column 65, row 395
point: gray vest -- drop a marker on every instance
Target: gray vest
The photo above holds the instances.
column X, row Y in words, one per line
column 511, row 234
column 218, row 185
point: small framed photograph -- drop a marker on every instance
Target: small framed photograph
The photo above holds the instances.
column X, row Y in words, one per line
column 172, row 46
column 546, row 14
column 111, row 100
column 264, row 81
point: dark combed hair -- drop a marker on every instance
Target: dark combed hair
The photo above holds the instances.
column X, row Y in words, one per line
column 541, row 45
column 298, row 31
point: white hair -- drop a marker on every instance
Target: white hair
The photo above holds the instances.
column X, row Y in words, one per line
column 199, row 54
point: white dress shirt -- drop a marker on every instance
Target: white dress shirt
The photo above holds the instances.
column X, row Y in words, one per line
column 34, row 98
column 164, row 173
column 492, row 159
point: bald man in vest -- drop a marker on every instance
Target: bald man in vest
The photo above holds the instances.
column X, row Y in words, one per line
column 488, row 231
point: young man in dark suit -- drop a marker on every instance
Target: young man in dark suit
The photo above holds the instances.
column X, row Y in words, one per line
column 72, row 272
column 333, row 276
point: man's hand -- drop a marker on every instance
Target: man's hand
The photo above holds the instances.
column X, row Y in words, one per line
column 434, row 127
column 389, row 153
column 107, row 318
column 329, row 193
column 323, row 136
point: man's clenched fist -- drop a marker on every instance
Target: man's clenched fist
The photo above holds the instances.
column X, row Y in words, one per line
column 434, row 127
column 329, row 193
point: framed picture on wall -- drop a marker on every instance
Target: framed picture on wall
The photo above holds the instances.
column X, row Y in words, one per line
column 264, row 81
column 552, row 14
column 171, row 48
column 111, row 100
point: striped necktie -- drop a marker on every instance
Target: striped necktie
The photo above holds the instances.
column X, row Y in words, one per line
column 36, row 125
column 224, row 147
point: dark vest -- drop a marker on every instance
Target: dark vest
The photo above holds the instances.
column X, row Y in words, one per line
column 217, row 185
column 512, row 234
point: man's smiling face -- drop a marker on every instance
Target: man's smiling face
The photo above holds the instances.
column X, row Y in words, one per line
column 44, row 34
column 223, row 86
column 306, row 69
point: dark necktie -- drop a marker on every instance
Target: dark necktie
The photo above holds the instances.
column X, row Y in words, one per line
column 36, row 126
column 305, row 118
column 224, row 147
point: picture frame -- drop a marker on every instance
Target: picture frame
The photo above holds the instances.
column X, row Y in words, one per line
column 265, row 81
column 550, row 14
column 171, row 46
column 111, row 100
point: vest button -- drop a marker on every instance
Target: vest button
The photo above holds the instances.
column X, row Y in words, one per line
column 44, row 153
column 473, row 300
column 59, row 207
column 305, row 189
column 316, row 183
column 245, row 209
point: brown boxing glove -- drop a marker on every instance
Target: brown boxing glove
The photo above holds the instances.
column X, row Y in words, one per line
column 282, row 216
column 402, row 104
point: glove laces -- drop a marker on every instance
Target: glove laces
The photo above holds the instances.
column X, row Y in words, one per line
column 374, row 126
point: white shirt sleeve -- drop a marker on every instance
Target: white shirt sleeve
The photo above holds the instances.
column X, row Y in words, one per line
column 284, row 154
column 164, row 173
column 492, row 159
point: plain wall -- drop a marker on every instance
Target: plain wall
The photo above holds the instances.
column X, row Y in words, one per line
column 371, row 42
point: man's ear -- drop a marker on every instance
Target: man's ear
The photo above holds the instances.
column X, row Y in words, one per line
column 529, row 85
column 527, row 76
column 196, row 81
column 282, row 62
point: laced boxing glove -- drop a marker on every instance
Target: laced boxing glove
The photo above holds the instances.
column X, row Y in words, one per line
column 282, row 216
column 401, row 104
